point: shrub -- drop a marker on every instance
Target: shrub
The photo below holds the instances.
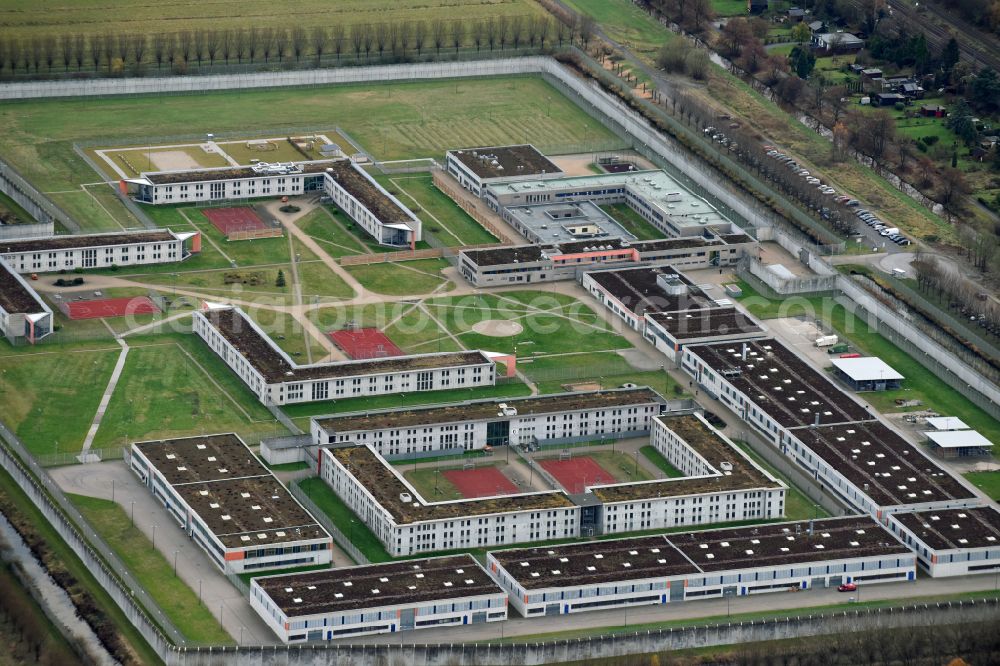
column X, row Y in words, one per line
column 931, row 139
column 77, row 270
column 114, row 268
column 899, row 106
column 77, row 281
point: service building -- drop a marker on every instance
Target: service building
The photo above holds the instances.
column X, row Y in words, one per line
column 952, row 542
column 23, row 314
column 379, row 213
column 476, row 168
column 227, row 183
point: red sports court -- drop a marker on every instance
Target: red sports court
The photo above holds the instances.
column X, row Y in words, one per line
column 480, row 482
column 228, row 220
column 364, row 343
column 575, row 474
column 109, row 307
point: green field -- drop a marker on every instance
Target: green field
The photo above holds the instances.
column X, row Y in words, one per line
column 404, row 278
column 394, row 121
column 623, row 21
column 633, row 222
column 442, row 218
column 329, row 231
column 797, row 505
column 319, row 492
column 608, row 369
column 988, row 482
column 178, row 601
column 661, row 463
column 54, row 17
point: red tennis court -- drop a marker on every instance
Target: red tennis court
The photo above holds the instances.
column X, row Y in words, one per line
column 109, row 307
column 575, row 474
column 480, row 482
column 228, row 220
column 363, row 343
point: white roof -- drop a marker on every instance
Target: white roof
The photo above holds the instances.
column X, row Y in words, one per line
column 953, row 439
column 947, row 423
column 868, row 368
column 781, row 271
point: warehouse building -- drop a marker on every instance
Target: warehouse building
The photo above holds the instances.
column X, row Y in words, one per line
column 958, row 443
column 803, row 414
column 720, row 484
column 376, row 599
column 23, row 314
column 407, row 524
column 227, row 183
column 133, row 248
column 951, row 542
column 566, row 261
column 476, row 168
column 866, row 374
column 379, row 213
column 674, row 568
column 277, row 380
column 230, row 504
column 476, row 424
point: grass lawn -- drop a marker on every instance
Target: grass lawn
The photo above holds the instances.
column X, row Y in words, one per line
column 729, row 7
column 432, row 485
column 416, row 332
column 442, row 217
column 655, row 457
column 608, row 369
column 162, row 393
column 345, row 520
column 289, row 467
column 50, row 393
column 797, row 505
column 624, row 22
column 404, row 278
column 328, row 230
column 285, row 330
column 319, row 281
column 633, row 222
column 247, row 577
column 622, row 466
column 8, row 205
column 154, row 572
column 988, row 482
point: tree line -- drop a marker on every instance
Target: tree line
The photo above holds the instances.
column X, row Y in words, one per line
column 114, row 53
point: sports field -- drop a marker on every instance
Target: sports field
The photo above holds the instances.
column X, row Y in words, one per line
column 54, row 17
column 575, row 474
column 360, row 343
column 109, row 307
column 441, row 484
column 228, row 220
column 392, row 121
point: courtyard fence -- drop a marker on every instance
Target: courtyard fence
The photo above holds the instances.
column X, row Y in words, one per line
column 319, row 514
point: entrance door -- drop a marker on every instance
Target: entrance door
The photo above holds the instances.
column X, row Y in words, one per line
column 552, row 609
column 406, row 619
column 677, row 591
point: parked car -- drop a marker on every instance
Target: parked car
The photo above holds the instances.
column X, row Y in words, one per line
column 905, row 241
column 853, row 202
column 847, row 587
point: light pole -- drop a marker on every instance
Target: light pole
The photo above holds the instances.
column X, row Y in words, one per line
column 112, row 490
column 154, row 536
column 199, row 591
column 132, row 515
column 241, row 634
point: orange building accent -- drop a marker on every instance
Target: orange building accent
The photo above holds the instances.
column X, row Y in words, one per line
column 196, row 243
column 238, row 555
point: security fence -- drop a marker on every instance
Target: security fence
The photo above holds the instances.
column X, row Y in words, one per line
column 342, row 540
column 30, row 199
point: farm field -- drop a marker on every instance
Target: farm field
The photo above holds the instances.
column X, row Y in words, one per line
column 53, row 17
column 393, row 121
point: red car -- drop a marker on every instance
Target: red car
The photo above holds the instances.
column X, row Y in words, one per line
column 847, row 587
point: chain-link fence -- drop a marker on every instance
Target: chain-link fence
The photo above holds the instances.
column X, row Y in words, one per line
column 342, row 540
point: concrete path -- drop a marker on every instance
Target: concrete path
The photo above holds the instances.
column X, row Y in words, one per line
column 85, row 455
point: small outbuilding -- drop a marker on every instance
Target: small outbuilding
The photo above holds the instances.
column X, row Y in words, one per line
column 867, row 374
column 958, row 443
column 889, row 99
column 932, row 110
column 942, row 423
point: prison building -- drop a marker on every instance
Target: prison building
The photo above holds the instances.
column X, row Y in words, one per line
column 567, row 261
column 476, row 168
column 720, row 484
column 230, row 504
column 630, row 293
column 671, row 332
column 133, row 248
column 278, row 380
column 379, row 213
column 474, row 425
column 873, row 469
column 407, row 524
column 674, row 568
column 658, row 198
column 377, row 599
column 951, row 542
column 226, row 183
column 24, row 316
column 809, row 419
column 564, row 222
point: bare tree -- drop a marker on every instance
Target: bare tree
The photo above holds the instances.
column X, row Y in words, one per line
column 267, row 43
column 185, row 44
column 503, row 32
column 281, row 43
column 953, row 186
column 457, row 34
column 228, row 45
column 368, row 35
column 404, row 36
column 357, row 39
column 299, row 41
column 65, row 50
column 337, row 39
column 50, row 51
column 139, row 48
column 79, row 50
column 36, row 53
column 439, row 34
column 213, row 42
column 491, row 32
column 479, row 29
column 159, row 48
column 108, row 48
column 198, row 45
column 585, row 28
column 701, row 13
column 241, row 44
column 564, row 32
column 877, row 133
column 382, row 37
column 96, row 50
column 420, row 33
column 517, row 29
column 320, row 38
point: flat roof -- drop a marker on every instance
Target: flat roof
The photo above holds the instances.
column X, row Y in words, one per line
column 883, row 465
column 231, row 491
column 706, row 323
column 693, row 553
column 946, row 423
column 954, row 439
column 202, row 459
column 15, row 298
column 378, row 585
column 250, row 511
column 364, row 188
column 954, row 528
column 505, row 161
column 531, row 253
column 643, row 290
column 262, row 354
column 555, row 222
column 385, row 485
column 710, row 445
column 785, row 386
column 779, row 544
column 88, row 240
column 476, row 410
column 229, row 173
column 866, row 369
column 594, row 562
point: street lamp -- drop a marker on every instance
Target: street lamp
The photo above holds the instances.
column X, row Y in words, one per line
column 199, row 591
column 132, row 515
column 175, row 563
column 154, row 536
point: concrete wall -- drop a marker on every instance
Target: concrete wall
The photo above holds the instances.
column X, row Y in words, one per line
column 34, row 202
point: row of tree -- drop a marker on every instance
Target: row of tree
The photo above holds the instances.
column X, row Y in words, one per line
column 960, row 294
column 67, row 52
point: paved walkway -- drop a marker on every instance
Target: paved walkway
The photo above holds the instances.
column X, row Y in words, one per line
column 105, row 400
